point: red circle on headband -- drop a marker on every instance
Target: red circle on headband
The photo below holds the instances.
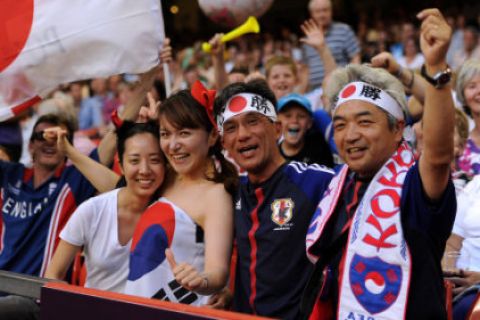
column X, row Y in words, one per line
column 348, row 91
column 237, row 104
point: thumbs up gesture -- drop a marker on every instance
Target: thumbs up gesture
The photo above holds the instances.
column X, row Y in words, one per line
column 186, row 275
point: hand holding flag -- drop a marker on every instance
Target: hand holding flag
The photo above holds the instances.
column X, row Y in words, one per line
column 47, row 43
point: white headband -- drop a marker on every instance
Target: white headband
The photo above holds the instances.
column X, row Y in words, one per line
column 246, row 102
column 366, row 92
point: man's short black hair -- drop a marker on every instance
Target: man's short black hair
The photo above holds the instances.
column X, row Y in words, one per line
column 256, row 86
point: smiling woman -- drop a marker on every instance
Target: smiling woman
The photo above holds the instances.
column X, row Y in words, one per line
column 193, row 221
column 104, row 225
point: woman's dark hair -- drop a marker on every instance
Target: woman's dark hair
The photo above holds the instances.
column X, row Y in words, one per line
column 129, row 129
column 183, row 111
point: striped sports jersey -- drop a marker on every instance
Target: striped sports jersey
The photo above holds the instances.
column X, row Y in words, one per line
column 343, row 45
column 271, row 222
column 31, row 219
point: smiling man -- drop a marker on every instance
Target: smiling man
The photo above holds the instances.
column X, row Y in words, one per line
column 378, row 235
column 273, row 207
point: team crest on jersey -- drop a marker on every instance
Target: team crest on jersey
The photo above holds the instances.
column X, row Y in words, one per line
column 282, row 211
column 375, row 283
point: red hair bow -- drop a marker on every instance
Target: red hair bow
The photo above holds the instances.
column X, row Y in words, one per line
column 206, row 98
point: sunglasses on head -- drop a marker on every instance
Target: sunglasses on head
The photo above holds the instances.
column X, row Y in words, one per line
column 38, row 136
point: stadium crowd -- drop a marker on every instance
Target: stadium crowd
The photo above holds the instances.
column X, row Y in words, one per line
column 338, row 168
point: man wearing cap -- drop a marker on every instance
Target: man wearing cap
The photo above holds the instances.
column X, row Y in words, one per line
column 273, row 207
column 378, row 234
column 300, row 142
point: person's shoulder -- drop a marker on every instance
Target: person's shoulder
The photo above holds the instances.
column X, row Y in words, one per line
column 216, row 192
column 216, row 189
column 11, row 169
column 101, row 200
column 413, row 188
column 11, row 164
column 341, row 26
column 302, row 170
column 311, row 179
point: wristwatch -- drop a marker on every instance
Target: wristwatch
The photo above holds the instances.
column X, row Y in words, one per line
column 440, row 79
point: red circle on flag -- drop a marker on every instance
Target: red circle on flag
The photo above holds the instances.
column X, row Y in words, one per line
column 376, row 278
column 16, row 19
column 348, row 91
column 237, row 104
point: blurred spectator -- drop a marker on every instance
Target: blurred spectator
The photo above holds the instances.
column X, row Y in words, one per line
column 407, row 31
column 470, row 48
column 458, row 26
column 91, row 109
column 459, row 177
column 339, row 37
column 411, row 58
column 300, row 142
column 468, row 93
column 281, row 75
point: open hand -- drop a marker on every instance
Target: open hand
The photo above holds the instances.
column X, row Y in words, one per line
column 314, row 35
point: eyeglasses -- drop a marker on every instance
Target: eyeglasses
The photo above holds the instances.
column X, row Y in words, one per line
column 38, row 136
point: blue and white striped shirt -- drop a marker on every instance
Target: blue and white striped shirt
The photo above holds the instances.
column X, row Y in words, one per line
column 343, row 44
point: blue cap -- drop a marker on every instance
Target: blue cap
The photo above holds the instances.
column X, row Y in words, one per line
column 296, row 99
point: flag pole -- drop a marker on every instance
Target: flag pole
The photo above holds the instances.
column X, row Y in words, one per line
column 166, row 69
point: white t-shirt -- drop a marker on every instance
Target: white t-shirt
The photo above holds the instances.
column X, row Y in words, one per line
column 415, row 64
column 94, row 225
column 467, row 225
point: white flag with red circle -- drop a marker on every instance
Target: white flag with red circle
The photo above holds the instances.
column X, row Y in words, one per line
column 44, row 43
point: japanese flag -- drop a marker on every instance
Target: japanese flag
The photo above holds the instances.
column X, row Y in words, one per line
column 44, row 43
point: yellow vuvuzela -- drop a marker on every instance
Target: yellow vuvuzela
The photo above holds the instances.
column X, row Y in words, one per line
column 249, row 26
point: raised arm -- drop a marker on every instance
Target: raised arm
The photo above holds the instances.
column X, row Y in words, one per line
column 412, row 82
column 101, row 177
column 217, row 52
column 438, row 113
column 314, row 37
column 107, row 146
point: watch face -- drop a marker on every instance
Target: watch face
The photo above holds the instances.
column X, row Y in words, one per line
column 444, row 78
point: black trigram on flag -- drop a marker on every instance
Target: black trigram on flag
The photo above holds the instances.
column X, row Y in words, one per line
column 180, row 293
